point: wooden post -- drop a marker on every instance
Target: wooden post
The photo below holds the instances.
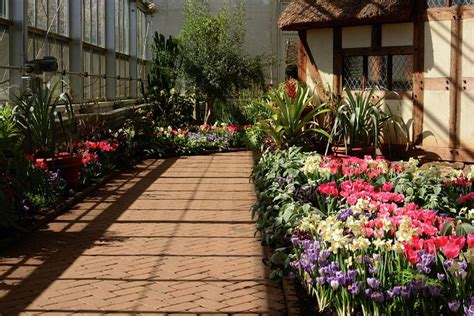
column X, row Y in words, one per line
column 337, row 63
column 418, row 72
column 302, row 58
column 309, row 65
column 455, row 83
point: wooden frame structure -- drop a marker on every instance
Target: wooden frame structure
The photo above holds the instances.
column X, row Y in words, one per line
column 434, row 80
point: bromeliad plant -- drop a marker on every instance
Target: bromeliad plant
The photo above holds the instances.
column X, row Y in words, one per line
column 294, row 114
column 361, row 121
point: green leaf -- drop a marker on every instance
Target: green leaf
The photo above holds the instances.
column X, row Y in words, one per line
column 447, row 229
column 464, row 229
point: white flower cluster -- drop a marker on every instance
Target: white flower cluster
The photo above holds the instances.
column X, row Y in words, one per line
column 470, row 174
column 312, row 167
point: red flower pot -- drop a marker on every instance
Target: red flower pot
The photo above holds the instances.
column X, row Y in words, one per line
column 69, row 165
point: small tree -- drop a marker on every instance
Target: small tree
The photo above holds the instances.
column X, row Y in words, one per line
column 214, row 61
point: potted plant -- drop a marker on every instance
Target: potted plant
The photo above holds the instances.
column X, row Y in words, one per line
column 360, row 122
column 40, row 121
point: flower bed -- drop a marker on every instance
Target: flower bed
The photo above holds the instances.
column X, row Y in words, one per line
column 368, row 235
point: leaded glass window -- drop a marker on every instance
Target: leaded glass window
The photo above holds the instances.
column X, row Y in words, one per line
column 392, row 72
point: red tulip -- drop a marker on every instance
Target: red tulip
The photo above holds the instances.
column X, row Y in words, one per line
column 451, row 250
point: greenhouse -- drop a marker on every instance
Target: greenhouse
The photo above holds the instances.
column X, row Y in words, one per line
column 238, row 157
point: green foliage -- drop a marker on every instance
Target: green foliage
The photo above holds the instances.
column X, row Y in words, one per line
column 172, row 109
column 275, row 177
column 360, row 120
column 256, row 110
column 294, row 115
column 166, row 63
column 10, row 137
column 431, row 189
column 253, row 137
column 214, row 60
column 37, row 115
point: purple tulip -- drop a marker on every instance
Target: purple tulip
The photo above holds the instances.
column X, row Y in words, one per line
column 373, row 283
column 397, row 290
column 390, row 294
column 405, row 292
column 352, row 275
column 469, row 311
column 353, row 288
column 454, row 305
column 343, row 215
column 295, row 241
column 334, row 266
column 434, row 290
column 377, row 297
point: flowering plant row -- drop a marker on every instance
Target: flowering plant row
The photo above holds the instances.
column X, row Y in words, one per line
column 359, row 237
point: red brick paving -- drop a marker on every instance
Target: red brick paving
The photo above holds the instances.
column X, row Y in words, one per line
column 170, row 237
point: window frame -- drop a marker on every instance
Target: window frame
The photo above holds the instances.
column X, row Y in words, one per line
column 4, row 5
column 99, row 39
column 122, row 33
column 55, row 31
column 90, row 80
column 123, row 82
column 447, row 3
column 365, row 53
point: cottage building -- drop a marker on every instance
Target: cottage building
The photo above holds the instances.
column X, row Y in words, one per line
column 422, row 49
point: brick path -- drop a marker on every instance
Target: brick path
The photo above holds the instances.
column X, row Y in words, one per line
column 170, row 237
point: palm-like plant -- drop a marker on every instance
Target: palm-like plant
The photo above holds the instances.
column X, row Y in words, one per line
column 361, row 121
column 293, row 115
column 37, row 116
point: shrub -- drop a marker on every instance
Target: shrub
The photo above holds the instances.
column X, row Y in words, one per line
column 214, row 60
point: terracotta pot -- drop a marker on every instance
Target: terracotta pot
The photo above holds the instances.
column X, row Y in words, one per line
column 340, row 151
column 70, row 167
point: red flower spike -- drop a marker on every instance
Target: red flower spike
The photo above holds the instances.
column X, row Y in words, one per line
column 291, row 88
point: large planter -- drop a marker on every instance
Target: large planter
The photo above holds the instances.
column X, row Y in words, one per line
column 340, row 151
column 69, row 165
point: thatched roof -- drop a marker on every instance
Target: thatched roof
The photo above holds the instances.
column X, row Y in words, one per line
column 306, row 14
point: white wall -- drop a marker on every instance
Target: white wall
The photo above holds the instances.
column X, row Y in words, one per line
column 320, row 42
column 356, row 36
column 467, row 96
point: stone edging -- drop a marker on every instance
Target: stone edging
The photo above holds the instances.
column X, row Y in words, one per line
column 291, row 299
